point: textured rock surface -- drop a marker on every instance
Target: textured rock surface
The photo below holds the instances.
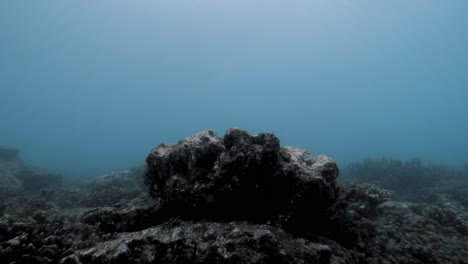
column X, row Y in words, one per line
column 241, row 176
column 42, row 236
column 417, row 233
column 53, row 222
column 206, row 242
column 127, row 216
column 236, row 199
column 400, row 232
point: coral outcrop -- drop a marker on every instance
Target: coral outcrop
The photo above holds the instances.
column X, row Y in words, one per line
column 242, row 177
column 240, row 198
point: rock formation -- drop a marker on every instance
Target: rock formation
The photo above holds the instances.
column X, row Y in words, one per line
column 241, row 198
column 237, row 198
column 242, row 177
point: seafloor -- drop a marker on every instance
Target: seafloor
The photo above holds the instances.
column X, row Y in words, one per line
column 239, row 198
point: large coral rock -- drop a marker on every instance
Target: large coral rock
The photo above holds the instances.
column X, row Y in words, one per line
column 205, row 242
column 241, row 176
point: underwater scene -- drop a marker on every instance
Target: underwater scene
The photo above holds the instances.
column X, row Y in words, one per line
column 247, row 131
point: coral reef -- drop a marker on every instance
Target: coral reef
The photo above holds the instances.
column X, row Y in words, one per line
column 241, row 198
column 417, row 233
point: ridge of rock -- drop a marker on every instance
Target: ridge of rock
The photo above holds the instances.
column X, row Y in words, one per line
column 242, row 177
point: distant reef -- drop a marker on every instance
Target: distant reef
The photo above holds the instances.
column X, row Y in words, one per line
column 240, row 198
column 17, row 177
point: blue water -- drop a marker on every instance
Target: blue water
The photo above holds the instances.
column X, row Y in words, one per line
column 88, row 87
